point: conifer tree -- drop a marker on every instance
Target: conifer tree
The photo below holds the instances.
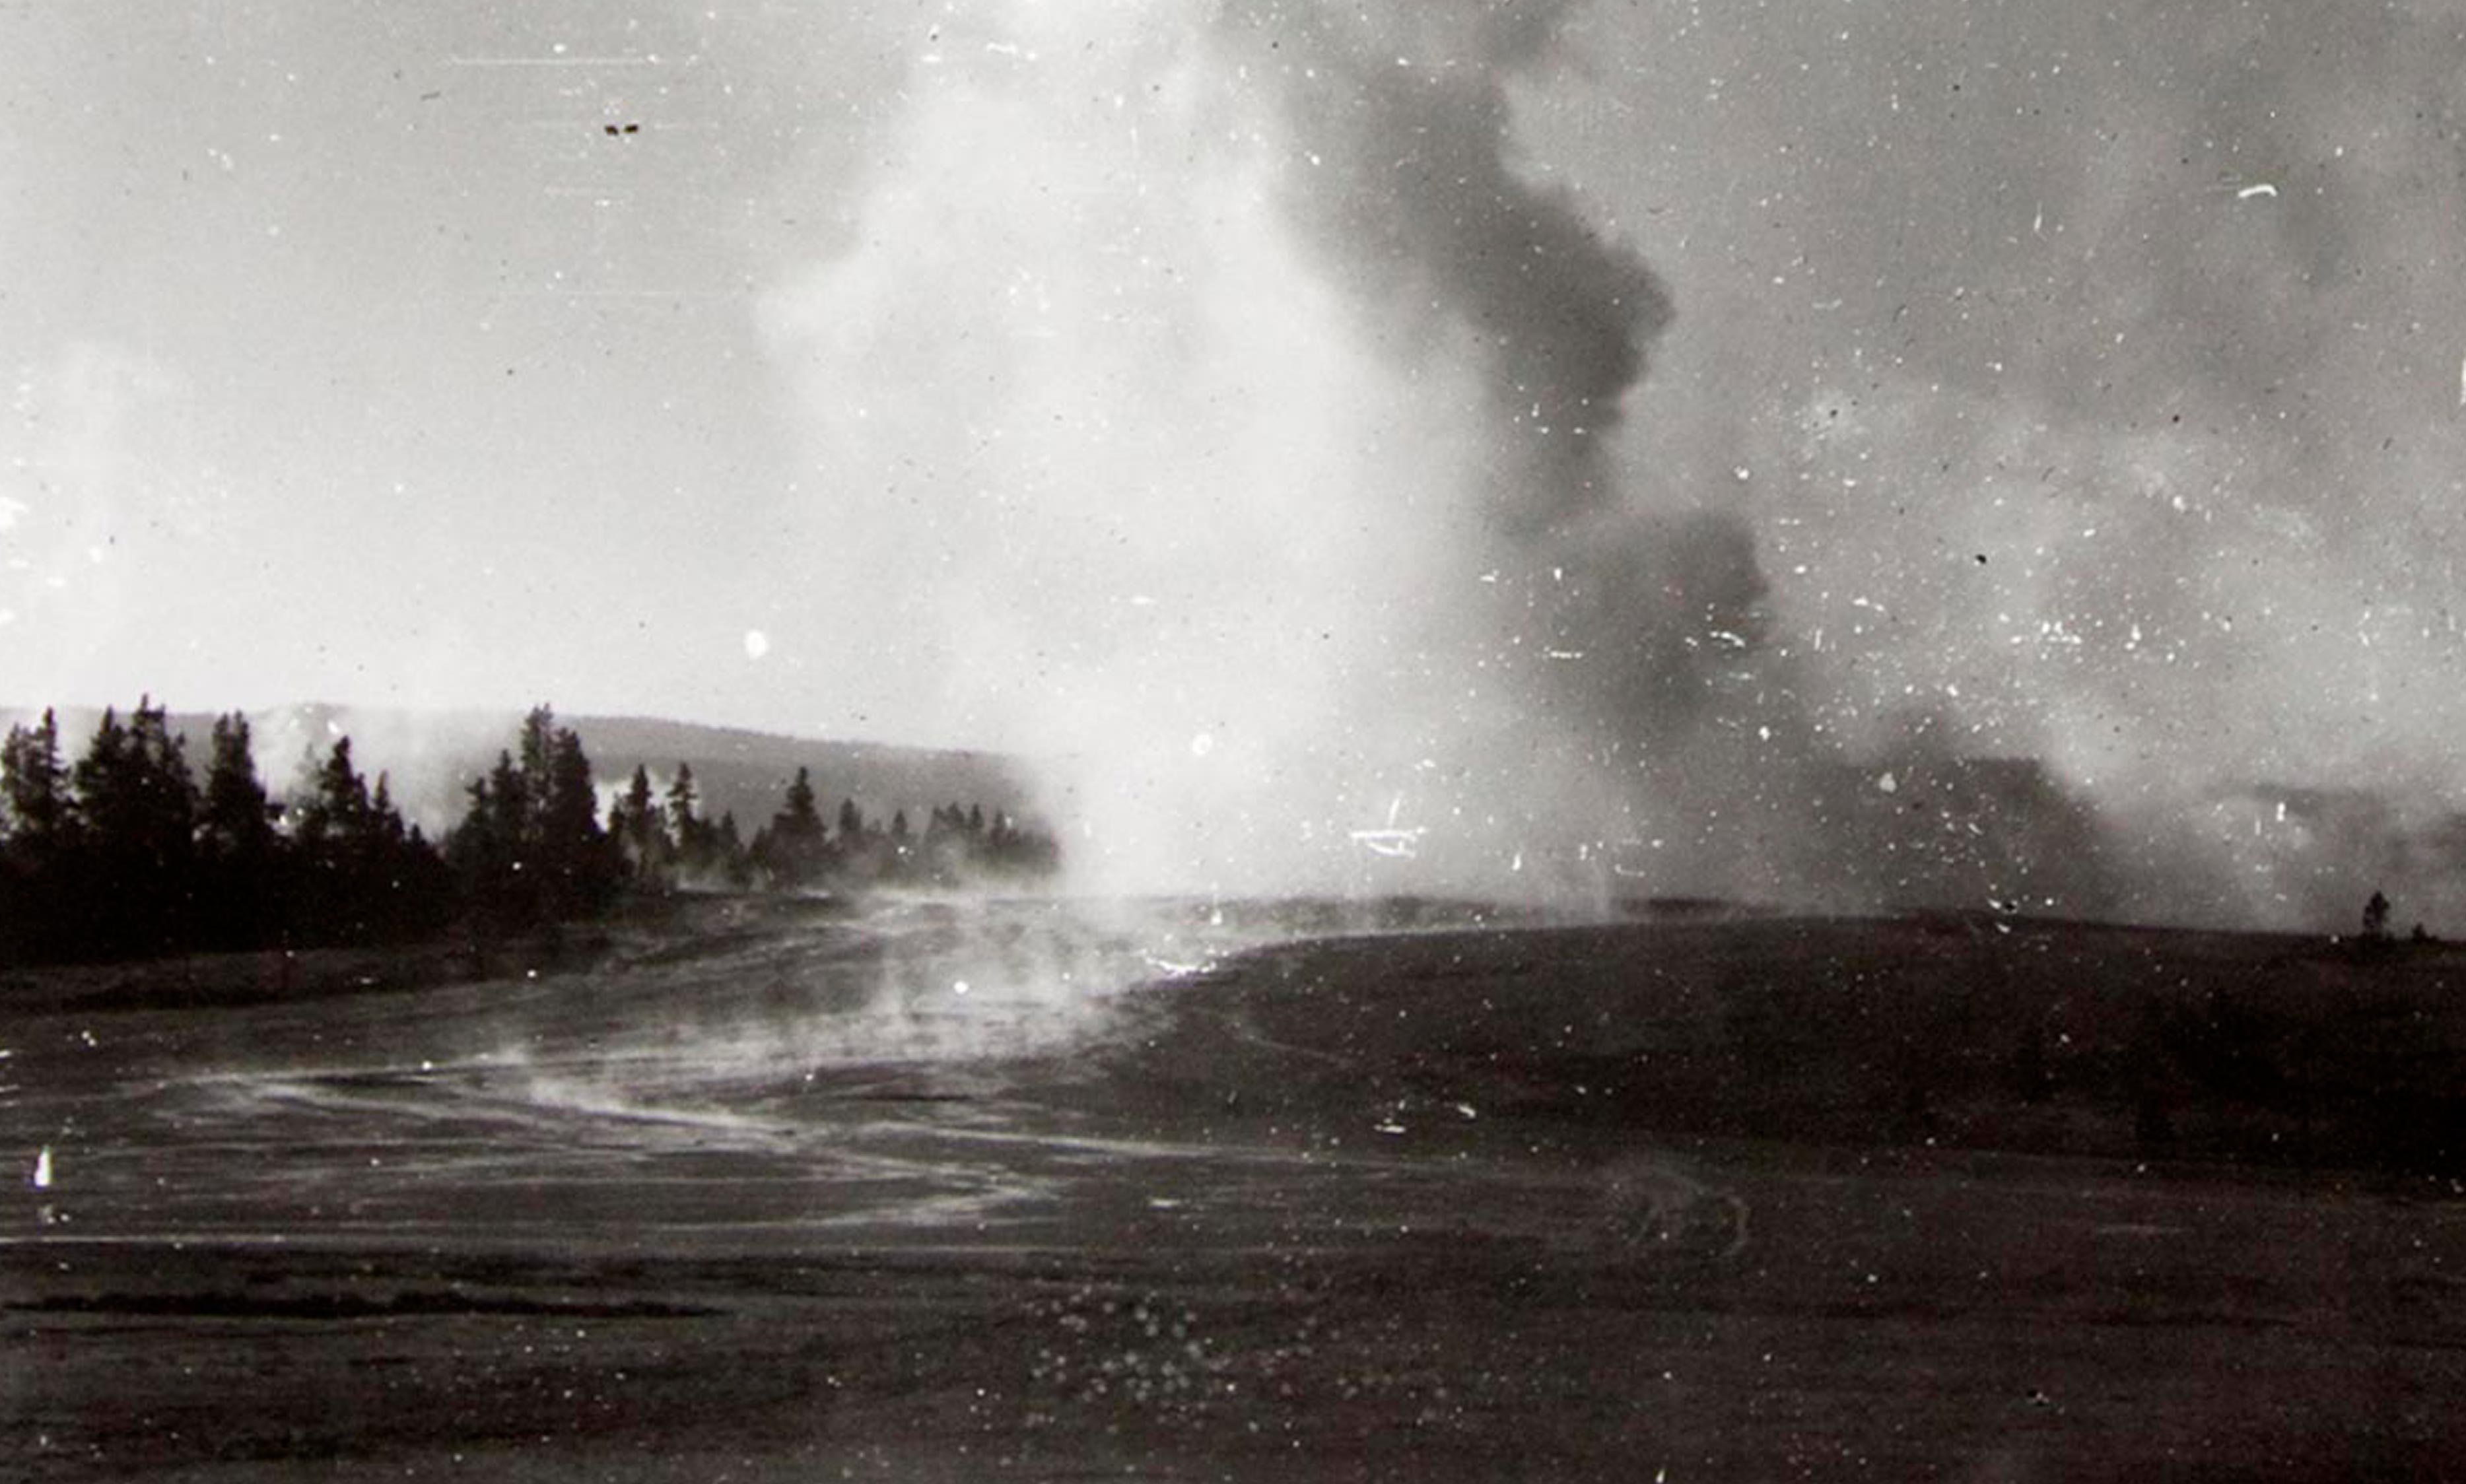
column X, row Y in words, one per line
column 238, row 822
column 585, row 867
column 37, row 816
column 34, row 802
column 485, row 851
column 243, row 886
column 640, row 827
column 689, row 830
column 530, row 848
column 792, row 850
column 727, row 851
column 135, row 866
column 337, row 842
column 333, row 816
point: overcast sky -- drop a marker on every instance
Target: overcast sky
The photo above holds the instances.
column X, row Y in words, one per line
column 2086, row 381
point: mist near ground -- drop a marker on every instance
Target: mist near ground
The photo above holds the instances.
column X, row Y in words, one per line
column 778, row 1191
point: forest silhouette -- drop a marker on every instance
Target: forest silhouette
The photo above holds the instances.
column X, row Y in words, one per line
column 124, row 853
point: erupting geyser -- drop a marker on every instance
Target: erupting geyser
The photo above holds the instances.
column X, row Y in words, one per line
column 1244, row 422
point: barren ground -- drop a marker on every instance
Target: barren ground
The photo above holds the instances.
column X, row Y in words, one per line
column 1015, row 1191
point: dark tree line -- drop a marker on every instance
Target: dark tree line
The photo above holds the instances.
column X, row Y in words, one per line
column 674, row 844
column 529, row 849
column 123, row 854
column 667, row 841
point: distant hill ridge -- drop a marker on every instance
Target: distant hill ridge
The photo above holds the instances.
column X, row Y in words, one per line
column 430, row 756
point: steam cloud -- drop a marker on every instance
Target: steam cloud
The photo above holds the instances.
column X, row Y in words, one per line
column 1248, row 428
column 1249, row 422
column 1402, row 113
column 1243, row 407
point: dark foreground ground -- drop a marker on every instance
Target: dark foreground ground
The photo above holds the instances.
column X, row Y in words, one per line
column 932, row 1194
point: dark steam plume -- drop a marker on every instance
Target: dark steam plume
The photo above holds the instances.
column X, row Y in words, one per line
column 1624, row 611
column 1402, row 170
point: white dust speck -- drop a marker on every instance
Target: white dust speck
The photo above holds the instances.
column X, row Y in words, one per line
column 959, row 986
column 1396, row 840
column 756, row 644
column 44, row 1169
column 1202, row 744
column 2264, row 189
column 1889, row 784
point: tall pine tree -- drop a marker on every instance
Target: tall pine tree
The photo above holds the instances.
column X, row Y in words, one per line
column 135, row 875
column 529, row 848
column 241, row 892
column 37, row 816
